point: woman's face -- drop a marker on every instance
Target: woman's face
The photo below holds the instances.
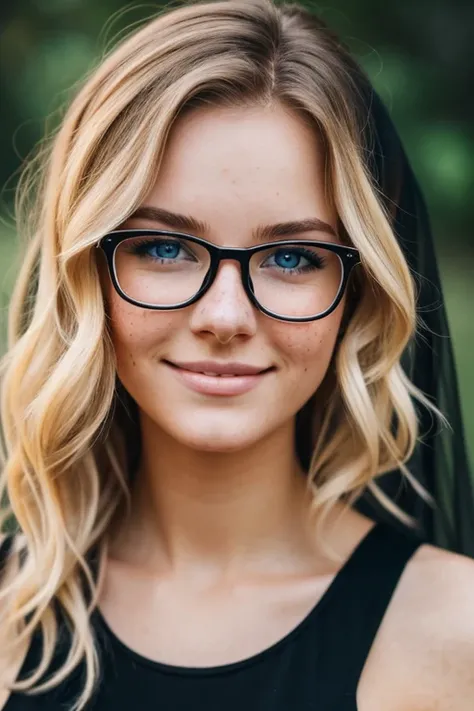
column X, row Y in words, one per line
column 234, row 169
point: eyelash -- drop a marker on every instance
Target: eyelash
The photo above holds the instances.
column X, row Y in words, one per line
column 316, row 261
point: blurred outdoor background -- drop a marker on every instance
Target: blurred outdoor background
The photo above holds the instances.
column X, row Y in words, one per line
column 417, row 52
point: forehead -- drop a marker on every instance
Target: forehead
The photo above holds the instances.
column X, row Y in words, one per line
column 238, row 167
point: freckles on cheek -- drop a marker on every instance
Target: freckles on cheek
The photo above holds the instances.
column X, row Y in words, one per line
column 139, row 335
column 305, row 342
column 308, row 358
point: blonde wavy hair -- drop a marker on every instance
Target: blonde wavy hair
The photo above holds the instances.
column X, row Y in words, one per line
column 67, row 457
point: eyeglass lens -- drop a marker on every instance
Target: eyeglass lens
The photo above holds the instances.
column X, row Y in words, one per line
column 162, row 270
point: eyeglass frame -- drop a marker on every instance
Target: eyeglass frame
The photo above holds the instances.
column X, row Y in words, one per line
column 349, row 257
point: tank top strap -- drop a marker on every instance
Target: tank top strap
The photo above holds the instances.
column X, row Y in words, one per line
column 363, row 590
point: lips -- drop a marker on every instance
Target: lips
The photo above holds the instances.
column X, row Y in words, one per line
column 200, row 378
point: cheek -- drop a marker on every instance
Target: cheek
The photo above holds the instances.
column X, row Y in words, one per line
column 137, row 332
column 308, row 346
column 306, row 352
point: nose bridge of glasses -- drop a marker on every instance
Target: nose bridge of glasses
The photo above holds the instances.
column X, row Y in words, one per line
column 225, row 257
column 235, row 254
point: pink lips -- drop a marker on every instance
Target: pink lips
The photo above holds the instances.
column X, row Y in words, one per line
column 197, row 377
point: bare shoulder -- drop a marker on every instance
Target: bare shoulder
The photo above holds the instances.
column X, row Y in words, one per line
column 446, row 578
column 423, row 655
column 440, row 585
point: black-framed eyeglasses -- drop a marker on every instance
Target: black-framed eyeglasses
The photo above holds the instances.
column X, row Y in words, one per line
column 289, row 280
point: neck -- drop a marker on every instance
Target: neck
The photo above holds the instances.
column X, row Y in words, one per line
column 213, row 510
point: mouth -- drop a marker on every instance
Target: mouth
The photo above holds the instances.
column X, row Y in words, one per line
column 208, row 382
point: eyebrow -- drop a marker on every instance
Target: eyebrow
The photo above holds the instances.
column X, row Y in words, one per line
column 262, row 233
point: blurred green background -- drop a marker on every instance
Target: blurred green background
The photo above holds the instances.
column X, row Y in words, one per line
column 417, row 52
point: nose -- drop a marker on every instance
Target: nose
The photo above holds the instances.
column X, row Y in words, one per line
column 225, row 310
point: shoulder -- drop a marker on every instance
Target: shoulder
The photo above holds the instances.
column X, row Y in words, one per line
column 426, row 641
column 439, row 589
column 440, row 585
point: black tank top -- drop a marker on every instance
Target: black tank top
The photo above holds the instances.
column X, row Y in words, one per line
column 316, row 667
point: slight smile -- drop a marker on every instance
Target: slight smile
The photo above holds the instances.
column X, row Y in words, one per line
column 210, row 378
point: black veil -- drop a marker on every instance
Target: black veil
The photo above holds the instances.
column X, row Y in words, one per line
column 440, row 462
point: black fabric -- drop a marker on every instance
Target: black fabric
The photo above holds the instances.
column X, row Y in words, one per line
column 315, row 667
column 440, row 462
column 5, row 549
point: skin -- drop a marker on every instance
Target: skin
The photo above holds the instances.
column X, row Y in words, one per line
column 220, row 553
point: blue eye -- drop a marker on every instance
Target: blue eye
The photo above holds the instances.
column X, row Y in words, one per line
column 295, row 260
column 288, row 259
column 164, row 250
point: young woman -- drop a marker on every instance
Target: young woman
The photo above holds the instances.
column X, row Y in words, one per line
column 204, row 377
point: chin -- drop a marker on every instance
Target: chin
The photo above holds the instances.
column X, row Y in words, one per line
column 217, row 434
